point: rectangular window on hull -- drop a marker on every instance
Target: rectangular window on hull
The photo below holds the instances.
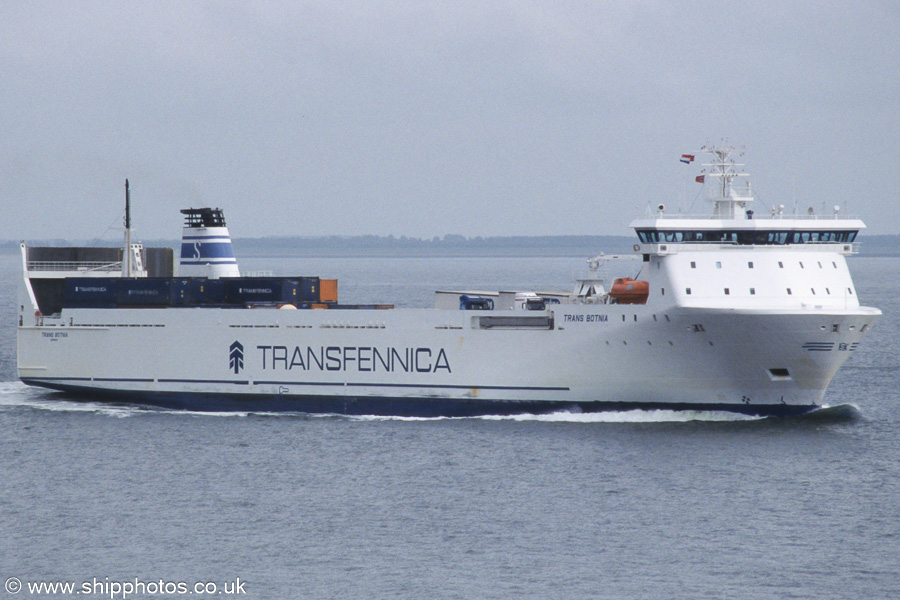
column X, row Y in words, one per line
column 779, row 374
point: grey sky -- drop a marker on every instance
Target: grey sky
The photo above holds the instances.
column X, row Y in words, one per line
column 427, row 118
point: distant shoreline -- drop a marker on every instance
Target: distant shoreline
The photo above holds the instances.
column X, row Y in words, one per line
column 448, row 245
column 388, row 246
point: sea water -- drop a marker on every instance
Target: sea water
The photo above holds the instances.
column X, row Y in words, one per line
column 119, row 501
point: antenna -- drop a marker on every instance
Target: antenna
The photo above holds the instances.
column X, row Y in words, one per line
column 127, row 270
column 127, row 206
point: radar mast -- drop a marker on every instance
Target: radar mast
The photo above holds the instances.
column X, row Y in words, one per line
column 726, row 197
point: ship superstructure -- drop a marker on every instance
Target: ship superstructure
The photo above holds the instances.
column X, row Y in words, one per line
column 732, row 311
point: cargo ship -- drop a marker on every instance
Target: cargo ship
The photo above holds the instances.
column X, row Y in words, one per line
column 728, row 311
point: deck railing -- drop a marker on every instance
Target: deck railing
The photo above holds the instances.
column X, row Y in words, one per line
column 73, row 265
column 760, row 216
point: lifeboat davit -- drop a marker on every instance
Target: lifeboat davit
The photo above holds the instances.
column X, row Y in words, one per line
column 626, row 290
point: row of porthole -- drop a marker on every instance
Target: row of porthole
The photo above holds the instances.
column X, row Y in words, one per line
column 687, row 291
column 654, row 318
column 836, row 328
column 694, row 328
column 750, row 264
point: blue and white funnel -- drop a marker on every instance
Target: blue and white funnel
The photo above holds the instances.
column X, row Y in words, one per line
column 206, row 245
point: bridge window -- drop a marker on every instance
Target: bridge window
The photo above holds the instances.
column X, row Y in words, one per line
column 745, row 237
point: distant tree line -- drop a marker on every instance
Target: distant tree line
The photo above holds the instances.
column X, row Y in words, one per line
column 448, row 245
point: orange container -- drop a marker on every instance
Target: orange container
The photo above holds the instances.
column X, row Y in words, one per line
column 328, row 290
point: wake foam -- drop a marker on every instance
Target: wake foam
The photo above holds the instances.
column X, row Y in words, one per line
column 630, row 416
column 15, row 394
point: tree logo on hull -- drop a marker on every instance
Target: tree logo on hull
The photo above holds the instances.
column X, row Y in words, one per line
column 236, row 357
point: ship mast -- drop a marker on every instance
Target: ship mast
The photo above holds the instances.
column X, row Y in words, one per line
column 725, row 168
column 127, row 269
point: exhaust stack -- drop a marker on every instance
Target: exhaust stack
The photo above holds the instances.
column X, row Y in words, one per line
column 206, row 249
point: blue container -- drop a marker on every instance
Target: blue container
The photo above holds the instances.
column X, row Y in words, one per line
column 180, row 291
column 252, row 290
column 143, row 291
column 90, row 292
column 207, row 291
column 309, row 289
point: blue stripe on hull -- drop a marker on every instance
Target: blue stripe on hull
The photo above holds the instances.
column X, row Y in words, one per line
column 393, row 406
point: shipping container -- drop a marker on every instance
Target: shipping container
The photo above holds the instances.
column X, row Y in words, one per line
column 244, row 290
column 143, row 291
column 309, row 289
column 91, row 292
column 181, row 291
column 328, row 290
column 207, row 291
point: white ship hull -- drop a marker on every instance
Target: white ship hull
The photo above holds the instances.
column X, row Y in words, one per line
column 429, row 362
column 731, row 312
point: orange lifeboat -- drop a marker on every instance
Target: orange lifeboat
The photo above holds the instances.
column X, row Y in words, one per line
column 626, row 290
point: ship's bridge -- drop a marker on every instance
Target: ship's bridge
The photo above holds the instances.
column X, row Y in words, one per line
column 750, row 231
column 733, row 222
